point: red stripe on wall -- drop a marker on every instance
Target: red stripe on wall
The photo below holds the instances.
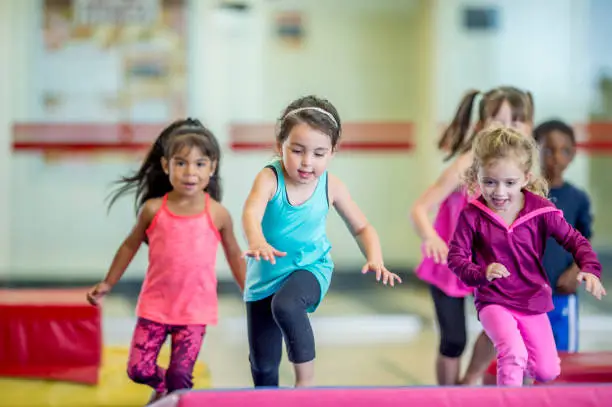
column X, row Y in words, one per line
column 94, row 133
column 81, row 147
column 355, row 136
column 593, row 137
column 344, row 146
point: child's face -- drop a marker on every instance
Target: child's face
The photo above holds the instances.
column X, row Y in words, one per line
column 504, row 117
column 189, row 170
column 305, row 153
column 557, row 153
column 501, row 181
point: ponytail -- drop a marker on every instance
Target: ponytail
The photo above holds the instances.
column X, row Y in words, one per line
column 532, row 107
column 214, row 186
column 214, row 183
column 456, row 133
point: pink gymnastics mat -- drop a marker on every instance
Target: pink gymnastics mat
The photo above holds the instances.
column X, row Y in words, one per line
column 541, row 396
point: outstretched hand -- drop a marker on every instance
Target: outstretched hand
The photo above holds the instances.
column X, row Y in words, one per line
column 381, row 272
column 264, row 251
column 592, row 283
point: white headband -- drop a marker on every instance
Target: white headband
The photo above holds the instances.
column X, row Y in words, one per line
column 318, row 109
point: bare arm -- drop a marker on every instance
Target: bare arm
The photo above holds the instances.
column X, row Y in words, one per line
column 131, row 244
column 364, row 233
column 355, row 220
column 448, row 181
column 126, row 251
column 231, row 248
column 262, row 191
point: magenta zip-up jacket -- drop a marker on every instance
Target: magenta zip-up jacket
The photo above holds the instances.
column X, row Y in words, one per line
column 482, row 237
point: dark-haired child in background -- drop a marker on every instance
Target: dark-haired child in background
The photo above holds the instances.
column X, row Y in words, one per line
column 558, row 147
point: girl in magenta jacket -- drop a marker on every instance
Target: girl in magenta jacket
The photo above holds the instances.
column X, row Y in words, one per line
column 498, row 246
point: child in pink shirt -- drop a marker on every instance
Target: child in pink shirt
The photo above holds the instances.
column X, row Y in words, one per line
column 504, row 105
column 498, row 247
column 178, row 193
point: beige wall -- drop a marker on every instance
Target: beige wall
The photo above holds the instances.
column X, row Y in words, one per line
column 371, row 60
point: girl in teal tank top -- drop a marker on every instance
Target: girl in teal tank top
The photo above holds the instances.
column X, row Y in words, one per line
column 300, row 231
column 289, row 265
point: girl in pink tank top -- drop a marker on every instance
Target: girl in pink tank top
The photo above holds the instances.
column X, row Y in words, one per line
column 436, row 272
column 177, row 193
column 507, row 106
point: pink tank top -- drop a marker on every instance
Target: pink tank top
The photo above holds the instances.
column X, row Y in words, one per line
column 180, row 287
column 439, row 274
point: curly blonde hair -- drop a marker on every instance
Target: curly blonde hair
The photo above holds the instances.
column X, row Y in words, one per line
column 502, row 142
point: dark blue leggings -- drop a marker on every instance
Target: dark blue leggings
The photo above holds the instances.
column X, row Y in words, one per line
column 282, row 314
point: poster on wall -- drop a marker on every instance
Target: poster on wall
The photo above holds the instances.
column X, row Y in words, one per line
column 113, row 60
column 106, row 75
column 290, row 29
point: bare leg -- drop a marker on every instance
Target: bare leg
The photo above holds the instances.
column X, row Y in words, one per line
column 489, row 380
column 447, row 370
column 156, row 395
column 482, row 356
column 304, row 374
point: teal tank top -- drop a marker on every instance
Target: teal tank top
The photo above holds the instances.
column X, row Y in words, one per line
column 300, row 231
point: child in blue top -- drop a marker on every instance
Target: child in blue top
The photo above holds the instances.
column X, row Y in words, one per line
column 284, row 221
column 558, row 148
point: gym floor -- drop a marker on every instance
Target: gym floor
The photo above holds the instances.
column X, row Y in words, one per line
column 365, row 337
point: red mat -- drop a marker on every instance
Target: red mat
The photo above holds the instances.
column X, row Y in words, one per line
column 50, row 334
column 544, row 396
column 580, row 367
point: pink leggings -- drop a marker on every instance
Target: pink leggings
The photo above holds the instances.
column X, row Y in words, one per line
column 524, row 343
column 149, row 336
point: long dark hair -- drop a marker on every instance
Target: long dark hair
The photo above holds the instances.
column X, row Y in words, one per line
column 150, row 180
column 456, row 136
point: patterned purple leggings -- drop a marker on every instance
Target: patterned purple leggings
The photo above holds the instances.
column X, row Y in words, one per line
column 148, row 339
